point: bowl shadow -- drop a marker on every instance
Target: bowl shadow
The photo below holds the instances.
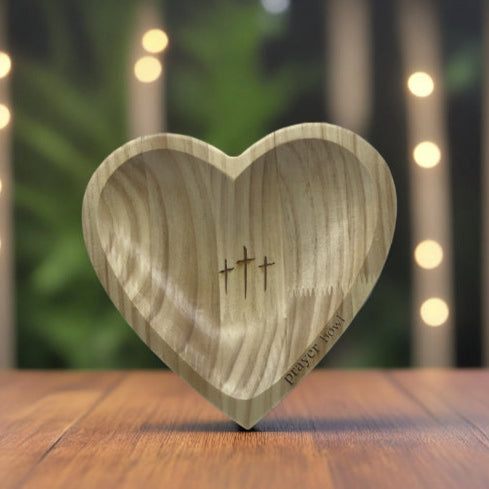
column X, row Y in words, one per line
column 367, row 424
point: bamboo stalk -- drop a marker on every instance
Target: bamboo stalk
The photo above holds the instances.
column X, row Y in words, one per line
column 430, row 187
column 147, row 114
column 7, row 333
column 349, row 63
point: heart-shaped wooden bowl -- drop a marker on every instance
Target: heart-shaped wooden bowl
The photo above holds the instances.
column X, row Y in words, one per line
column 241, row 273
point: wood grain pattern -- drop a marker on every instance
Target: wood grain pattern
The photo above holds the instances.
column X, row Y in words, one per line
column 36, row 411
column 241, row 273
column 422, row 429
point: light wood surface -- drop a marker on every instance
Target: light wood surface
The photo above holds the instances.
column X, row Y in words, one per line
column 338, row 430
column 241, row 273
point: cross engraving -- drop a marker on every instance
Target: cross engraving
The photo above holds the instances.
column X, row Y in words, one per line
column 245, row 262
column 226, row 270
column 265, row 265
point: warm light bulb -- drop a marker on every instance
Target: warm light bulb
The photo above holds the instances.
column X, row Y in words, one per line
column 427, row 154
column 434, row 311
column 147, row 69
column 5, row 64
column 428, row 254
column 1, row 184
column 155, row 41
column 420, row 84
column 4, row 116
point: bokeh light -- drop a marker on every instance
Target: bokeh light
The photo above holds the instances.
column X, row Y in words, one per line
column 5, row 64
column 427, row 154
column 428, row 254
column 421, row 84
column 4, row 116
column 155, row 41
column 434, row 311
column 275, row 6
column 147, row 69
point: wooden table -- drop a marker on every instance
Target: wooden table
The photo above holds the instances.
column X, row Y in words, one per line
column 338, row 429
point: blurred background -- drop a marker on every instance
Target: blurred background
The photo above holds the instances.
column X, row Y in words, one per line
column 78, row 79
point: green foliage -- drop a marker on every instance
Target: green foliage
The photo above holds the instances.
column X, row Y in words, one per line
column 220, row 85
column 70, row 114
column 463, row 68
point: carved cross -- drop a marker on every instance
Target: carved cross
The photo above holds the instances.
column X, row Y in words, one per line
column 245, row 262
column 226, row 270
column 265, row 265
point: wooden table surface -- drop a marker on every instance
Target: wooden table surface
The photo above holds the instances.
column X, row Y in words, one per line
column 338, row 429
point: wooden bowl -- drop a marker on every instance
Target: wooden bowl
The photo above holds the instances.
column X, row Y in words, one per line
column 241, row 273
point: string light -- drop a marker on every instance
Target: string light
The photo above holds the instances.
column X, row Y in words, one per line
column 434, row 311
column 147, row 69
column 428, row 254
column 1, row 186
column 155, row 41
column 5, row 64
column 421, row 84
column 4, row 116
column 427, row 154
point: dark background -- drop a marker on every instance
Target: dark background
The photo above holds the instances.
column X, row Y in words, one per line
column 234, row 74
